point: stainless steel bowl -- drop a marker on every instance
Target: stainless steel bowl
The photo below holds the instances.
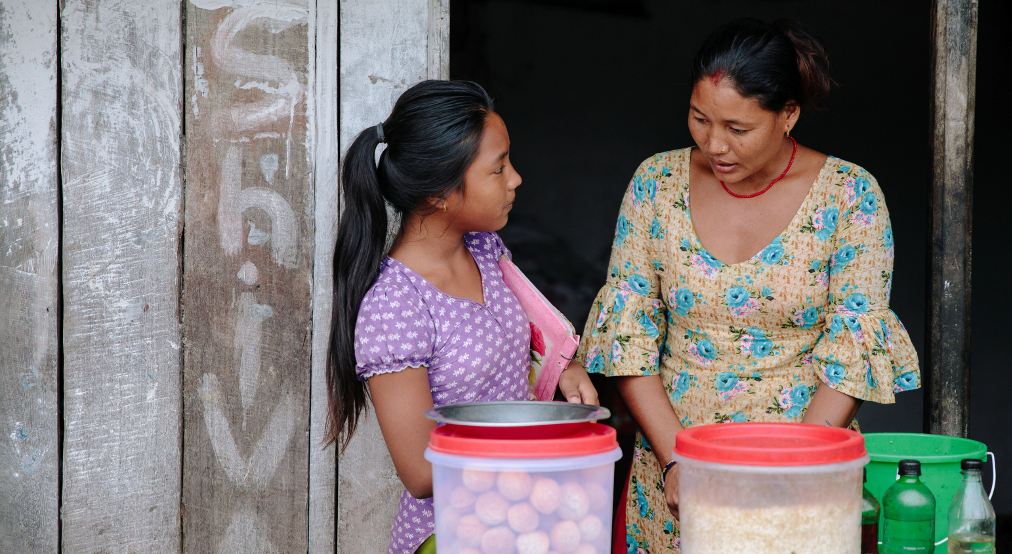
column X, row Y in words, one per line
column 516, row 414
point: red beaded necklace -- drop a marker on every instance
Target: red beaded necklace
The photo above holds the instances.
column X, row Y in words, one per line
column 774, row 180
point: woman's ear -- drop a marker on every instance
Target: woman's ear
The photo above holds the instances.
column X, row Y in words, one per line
column 791, row 113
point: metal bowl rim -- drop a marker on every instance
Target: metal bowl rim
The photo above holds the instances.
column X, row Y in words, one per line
column 594, row 413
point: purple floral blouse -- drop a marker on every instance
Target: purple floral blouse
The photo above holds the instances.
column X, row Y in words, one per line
column 473, row 352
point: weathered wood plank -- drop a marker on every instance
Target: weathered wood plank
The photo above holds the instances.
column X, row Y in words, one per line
column 121, row 97
column 322, row 461
column 947, row 379
column 29, row 280
column 247, row 276
column 385, row 48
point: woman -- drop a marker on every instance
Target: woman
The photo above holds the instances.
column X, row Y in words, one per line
column 432, row 323
column 771, row 301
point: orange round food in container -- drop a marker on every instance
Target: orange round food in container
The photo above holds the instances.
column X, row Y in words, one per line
column 747, row 488
column 523, row 478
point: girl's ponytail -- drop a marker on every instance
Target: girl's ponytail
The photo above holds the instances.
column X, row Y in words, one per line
column 432, row 136
column 361, row 237
column 813, row 63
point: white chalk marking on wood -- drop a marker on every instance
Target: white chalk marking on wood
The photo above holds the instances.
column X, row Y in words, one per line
column 248, row 273
column 269, row 166
column 247, row 346
column 233, row 200
column 246, row 534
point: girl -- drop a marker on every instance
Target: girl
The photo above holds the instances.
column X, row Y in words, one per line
column 432, row 323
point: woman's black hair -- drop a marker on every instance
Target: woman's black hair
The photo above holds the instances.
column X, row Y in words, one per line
column 432, row 136
column 776, row 63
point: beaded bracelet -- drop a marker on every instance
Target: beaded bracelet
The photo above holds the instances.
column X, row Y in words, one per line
column 667, row 468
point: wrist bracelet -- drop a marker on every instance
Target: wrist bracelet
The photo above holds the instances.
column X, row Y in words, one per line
column 667, row 468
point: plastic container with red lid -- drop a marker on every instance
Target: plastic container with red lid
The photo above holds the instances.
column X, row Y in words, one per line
column 748, row 488
column 522, row 477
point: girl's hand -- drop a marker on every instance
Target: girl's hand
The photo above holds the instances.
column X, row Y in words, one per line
column 576, row 386
column 671, row 491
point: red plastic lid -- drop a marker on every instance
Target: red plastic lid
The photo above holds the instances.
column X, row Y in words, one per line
column 547, row 441
column 770, row 444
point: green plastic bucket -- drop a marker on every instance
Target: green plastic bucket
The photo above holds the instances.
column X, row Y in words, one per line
column 939, row 456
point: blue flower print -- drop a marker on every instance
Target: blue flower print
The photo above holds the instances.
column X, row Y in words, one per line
column 639, row 284
column 761, row 347
column 830, row 218
column 686, row 245
column 709, row 259
column 793, row 412
column 684, row 300
column 597, row 365
column 655, row 229
column 861, row 186
column 843, row 257
column 669, row 527
column 651, row 186
column 887, row 236
column 772, row 254
column 869, row 203
column 641, row 500
column 834, row 372
column 726, row 380
column 622, row 230
column 706, row 349
column 835, row 327
column 845, row 168
column 619, row 304
column 648, row 326
column 738, row 417
column 808, row 318
column 907, row 381
column 852, row 323
column 639, row 191
column 681, row 385
column 736, row 296
column 756, row 332
column 800, row 394
column 857, row 302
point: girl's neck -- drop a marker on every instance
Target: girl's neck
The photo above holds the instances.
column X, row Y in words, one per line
column 427, row 241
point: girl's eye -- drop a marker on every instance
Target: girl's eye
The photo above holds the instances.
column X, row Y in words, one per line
column 498, row 171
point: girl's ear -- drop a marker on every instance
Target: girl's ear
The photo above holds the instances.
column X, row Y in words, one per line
column 436, row 204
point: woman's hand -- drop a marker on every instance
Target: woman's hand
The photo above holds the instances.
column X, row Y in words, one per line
column 831, row 407
column 576, row 386
column 671, row 491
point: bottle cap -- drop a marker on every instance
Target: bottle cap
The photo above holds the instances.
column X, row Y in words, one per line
column 970, row 463
column 910, row 467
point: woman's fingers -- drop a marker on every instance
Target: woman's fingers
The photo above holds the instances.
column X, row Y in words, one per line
column 671, row 492
column 576, row 386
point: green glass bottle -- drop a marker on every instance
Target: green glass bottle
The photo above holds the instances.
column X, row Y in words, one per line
column 909, row 510
column 971, row 516
column 869, row 520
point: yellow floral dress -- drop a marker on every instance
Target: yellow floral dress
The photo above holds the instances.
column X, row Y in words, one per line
column 751, row 341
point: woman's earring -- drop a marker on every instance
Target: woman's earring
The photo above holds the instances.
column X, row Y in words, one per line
column 444, row 207
column 788, row 131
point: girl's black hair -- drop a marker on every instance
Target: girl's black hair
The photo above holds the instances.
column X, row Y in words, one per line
column 432, row 136
column 776, row 63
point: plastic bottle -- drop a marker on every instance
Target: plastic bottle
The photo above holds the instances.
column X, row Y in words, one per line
column 909, row 510
column 971, row 516
column 869, row 520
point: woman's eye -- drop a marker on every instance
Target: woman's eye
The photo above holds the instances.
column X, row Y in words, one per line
column 699, row 120
column 498, row 171
column 738, row 131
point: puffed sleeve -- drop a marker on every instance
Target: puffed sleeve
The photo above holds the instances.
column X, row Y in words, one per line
column 627, row 323
column 395, row 329
column 864, row 351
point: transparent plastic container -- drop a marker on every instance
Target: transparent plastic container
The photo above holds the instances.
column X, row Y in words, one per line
column 758, row 488
column 523, row 490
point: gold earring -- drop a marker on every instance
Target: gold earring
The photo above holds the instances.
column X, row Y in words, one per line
column 788, row 131
column 444, row 207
